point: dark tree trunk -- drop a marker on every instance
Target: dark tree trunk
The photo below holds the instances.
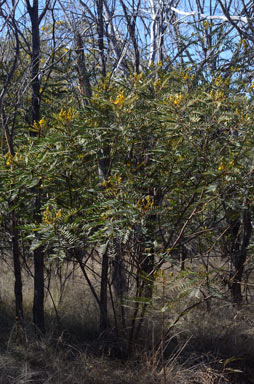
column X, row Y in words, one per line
column 240, row 233
column 15, row 245
column 17, row 270
column 103, row 171
column 119, row 280
column 35, row 63
column 104, row 323
column 236, row 291
column 38, row 303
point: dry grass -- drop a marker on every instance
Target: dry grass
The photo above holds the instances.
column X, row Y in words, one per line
column 202, row 348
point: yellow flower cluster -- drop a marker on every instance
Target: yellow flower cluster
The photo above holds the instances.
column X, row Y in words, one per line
column 207, row 24
column 39, row 125
column 145, row 204
column 218, row 81
column 243, row 44
column 185, row 73
column 50, row 217
column 234, row 69
column 46, row 28
column 176, row 99
column 104, row 83
column 186, row 76
column 217, row 95
column 66, row 115
column 119, row 100
column 157, row 84
column 9, row 159
column 138, row 76
column 112, row 184
column 47, row 216
column 225, row 167
column 241, row 115
column 222, row 166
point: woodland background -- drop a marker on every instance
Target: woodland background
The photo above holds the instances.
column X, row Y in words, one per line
column 126, row 191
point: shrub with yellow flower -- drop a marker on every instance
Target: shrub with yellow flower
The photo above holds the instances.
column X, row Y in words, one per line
column 67, row 115
column 176, row 99
column 50, row 217
column 145, row 204
column 119, row 100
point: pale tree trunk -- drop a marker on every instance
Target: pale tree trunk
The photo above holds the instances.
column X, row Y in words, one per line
column 100, row 31
column 84, row 82
column 131, row 25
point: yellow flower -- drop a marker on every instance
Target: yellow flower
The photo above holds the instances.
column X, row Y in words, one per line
column 222, row 166
column 119, row 100
column 244, row 44
column 207, row 24
column 186, row 76
column 218, row 95
column 47, row 216
column 218, row 81
column 176, row 99
column 42, row 121
column 9, row 159
column 145, row 204
column 67, row 115
column 157, row 83
column 59, row 214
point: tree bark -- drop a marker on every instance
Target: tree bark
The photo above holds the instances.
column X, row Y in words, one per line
column 104, row 323
column 17, row 270
column 38, row 303
column 100, row 30
column 240, row 242
column 84, row 82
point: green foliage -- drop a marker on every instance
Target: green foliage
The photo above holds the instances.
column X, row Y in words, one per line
column 180, row 161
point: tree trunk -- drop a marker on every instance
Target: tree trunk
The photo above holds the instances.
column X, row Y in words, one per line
column 131, row 25
column 84, row 82
column 104, row 323
column 15, row 245
column 38, row 303
column 100, row 30
column 35, row 63
column 119, row 279
column 240, row 242
column 17, row 271
column 236, row 291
